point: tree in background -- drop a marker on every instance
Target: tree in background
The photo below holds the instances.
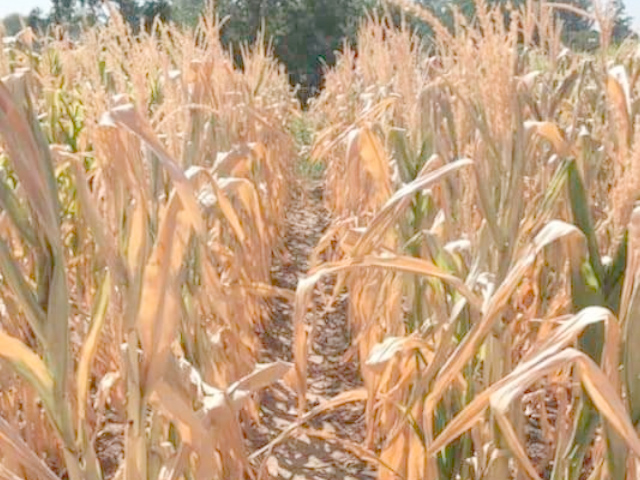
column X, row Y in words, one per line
column 187, row 12
column 63, row 11
column 155, row 9
column 72, row 12
column 12, row 24
column 37, row 20
column 305, row 34
column 622, row 28
column 579, row 31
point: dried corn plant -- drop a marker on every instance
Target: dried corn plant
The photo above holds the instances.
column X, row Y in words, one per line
column 144, row 182
column 483, row 194
column 512, row 161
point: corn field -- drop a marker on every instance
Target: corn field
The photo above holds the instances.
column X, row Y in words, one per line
column 428, row 274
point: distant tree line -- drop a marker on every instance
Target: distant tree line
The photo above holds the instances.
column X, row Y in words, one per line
column 78, row 12
column 305, row 33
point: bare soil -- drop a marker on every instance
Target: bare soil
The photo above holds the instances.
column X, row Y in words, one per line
column 302, row 456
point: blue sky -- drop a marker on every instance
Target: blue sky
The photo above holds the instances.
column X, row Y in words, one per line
column 25, row 6
column 633, row 8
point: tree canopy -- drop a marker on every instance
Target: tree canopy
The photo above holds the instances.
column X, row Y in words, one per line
column 305, row 34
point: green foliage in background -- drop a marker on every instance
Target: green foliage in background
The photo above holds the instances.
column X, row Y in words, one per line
column 305, row 34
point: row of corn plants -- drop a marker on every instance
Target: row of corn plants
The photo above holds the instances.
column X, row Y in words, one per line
column 483, row 190
column 143, row 185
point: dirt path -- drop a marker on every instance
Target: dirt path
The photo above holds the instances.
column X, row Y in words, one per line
column 303, row 457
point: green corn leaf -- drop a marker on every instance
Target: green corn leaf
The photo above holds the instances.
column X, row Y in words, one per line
column 58, row 335
column 630, row 318
column 615, row 275
column 26, row 296
column 10, row 203
column 632, row 355
column 400, row 148
column 585, row 292
column 582, row 218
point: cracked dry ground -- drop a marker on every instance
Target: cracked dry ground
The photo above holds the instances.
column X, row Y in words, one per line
column 300, row 456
